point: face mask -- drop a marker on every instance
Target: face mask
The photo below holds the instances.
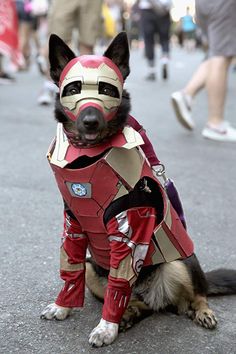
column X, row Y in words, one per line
column 91, row 80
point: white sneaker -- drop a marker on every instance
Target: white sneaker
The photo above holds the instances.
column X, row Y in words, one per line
column 47, row 94
column 45, row 97
column 223, row 132
column 182, row 105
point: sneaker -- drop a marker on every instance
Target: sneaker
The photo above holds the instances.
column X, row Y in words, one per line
column 45, row 98
column 47, row 94
column 6, row 79
column 183, row 109
column 42, row 64
column 223, row 132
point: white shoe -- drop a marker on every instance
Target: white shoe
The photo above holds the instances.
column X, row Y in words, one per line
column 223, row 132
column 183, row 109
column 45, row 97
column 47, row 94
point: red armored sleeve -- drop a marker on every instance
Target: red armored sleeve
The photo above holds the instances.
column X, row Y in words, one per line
column 147, row 147
column 129, row 235
column 72, row 264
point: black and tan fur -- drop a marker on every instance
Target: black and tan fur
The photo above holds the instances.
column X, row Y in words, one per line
column 181, row 284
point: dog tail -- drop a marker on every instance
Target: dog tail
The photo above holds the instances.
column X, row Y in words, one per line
column 221, row 282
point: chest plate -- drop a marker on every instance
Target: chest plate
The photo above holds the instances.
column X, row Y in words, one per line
column 88, row 191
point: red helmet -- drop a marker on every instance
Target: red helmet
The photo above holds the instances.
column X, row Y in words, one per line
column 99, row 84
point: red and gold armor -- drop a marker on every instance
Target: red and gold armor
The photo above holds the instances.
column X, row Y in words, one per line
column 91, row 71
column 128, row 241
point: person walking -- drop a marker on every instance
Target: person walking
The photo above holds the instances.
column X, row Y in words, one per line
column 155, row 20
column 65, row 17
column 217, row 21
column 9, row 43
column 188, row 29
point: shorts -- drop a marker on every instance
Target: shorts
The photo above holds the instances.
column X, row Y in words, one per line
column 23, row 16
column 189, row 34
column 83, row 15
column 216, row 18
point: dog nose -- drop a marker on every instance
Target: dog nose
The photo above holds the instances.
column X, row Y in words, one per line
column 90, row 121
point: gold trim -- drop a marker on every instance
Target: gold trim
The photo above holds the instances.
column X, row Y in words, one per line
column 68, row 267
column 125, row 270
column 122, row 191
column 157, row 256
column 167, row 218
column 133, row 138
column 127, row 163
column 168, row 250
column 62, row 144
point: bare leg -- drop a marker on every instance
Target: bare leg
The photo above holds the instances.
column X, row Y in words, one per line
column 198, row 80
column 216, row 85
column 25, row 34
column 182, row 100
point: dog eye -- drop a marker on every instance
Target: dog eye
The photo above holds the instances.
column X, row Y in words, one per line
column 108, row 89
column 71, row 89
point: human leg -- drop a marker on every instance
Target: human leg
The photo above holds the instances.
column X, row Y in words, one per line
column 216, row 86
column 164, row 35
column 60, row 12
column 89, row 23
column 198, row 80
column 148, row 29
column 182, row 100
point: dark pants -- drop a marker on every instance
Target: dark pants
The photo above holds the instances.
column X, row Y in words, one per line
column 152, row 25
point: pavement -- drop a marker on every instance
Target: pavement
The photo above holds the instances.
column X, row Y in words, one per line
column 31, row 218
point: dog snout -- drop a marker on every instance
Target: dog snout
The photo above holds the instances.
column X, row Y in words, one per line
column 91, row 122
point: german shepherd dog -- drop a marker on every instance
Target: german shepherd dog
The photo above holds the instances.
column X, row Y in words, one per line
column 181, row 284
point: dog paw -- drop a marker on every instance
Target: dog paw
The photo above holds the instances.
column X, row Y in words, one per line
column 105, row 333
column 54, row 311
column 205, row 318
column 129, row 318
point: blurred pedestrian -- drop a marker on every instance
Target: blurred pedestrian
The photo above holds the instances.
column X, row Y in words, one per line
column 65, row 17
column 30, row 16
column 217, row 20
column 8, row 38
column 134, row 25
column 188, row 27
column 155, row 20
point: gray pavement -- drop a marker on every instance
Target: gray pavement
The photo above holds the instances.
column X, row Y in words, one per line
column 31, row 219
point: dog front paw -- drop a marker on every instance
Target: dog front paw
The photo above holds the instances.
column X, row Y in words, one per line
column 105, row 333
column 206, row 319
column 54, row 311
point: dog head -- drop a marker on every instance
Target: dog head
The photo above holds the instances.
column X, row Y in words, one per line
column 92, row 104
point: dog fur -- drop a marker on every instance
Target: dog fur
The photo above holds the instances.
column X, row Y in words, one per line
column 180, row 284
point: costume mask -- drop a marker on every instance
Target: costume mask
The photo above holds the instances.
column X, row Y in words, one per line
column 97, row 82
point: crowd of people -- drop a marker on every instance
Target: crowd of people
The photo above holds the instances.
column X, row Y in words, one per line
column 86, row 23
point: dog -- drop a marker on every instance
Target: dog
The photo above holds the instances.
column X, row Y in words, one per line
column 136, row 266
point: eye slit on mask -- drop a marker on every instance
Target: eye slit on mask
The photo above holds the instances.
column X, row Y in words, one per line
column 104, row 88
column 71, row 89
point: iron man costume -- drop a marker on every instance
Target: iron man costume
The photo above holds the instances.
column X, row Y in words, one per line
column 130, row 239
column 110, row 194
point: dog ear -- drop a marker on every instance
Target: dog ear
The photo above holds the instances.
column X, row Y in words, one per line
column 59, row 55
column 118, row 52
